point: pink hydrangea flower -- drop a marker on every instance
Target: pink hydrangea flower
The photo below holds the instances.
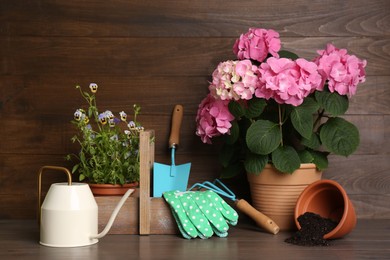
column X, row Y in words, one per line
column 213, row 118
column 234, row 80
column 343, row 71
column 288, row 81
column 256, row 44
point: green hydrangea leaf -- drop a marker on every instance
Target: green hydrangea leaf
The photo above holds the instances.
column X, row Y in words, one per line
column 320, row 159
column 333, row 103
column 226, row 154
column 340, row 136
column 236, row 109
column 288, row 54
column 302, row 121
column 312, row 142
column 305, row 156
column 255, row 163
column 263, row 137
column 309, row 104
column 255, row 107
column 234, row 133
column 286, row 159
column 231, row 171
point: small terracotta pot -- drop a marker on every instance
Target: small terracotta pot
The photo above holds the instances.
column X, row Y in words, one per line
column 111, row 189
column 329, row 200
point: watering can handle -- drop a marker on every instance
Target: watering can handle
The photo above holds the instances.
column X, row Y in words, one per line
column 69, row 175
column 261, row 220
column 177, row 117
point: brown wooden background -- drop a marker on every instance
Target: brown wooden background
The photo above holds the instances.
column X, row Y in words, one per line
column 162, row 52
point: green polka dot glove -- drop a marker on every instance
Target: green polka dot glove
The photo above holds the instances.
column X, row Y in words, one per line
column 201, row 213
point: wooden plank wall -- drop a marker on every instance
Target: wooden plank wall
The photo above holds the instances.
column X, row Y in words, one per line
column 162, row 52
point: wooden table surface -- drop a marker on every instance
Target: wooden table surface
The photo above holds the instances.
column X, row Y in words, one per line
column 369, row 240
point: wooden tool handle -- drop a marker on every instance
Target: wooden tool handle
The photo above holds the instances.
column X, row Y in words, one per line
column 177, row 117
column 261, row 220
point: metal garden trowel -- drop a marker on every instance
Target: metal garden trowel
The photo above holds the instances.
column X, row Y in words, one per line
column 171, row 177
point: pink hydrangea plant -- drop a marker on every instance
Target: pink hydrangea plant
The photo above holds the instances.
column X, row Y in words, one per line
column 343, row 71
column 278, row 108
column 256, row 44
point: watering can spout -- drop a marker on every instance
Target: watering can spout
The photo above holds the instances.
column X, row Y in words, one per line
column 113, row 216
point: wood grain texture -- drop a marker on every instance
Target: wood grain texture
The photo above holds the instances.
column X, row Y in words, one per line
column 146, row 151
column 80, row 56
column 161, row 221
column 165, row 18
column 369, row 240
column 161, row 53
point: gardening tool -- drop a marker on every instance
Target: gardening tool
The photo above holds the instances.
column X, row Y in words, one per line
column 261, row 220
column 171, row 177
column 68, row 217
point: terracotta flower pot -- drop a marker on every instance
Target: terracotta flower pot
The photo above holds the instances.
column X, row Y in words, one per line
column 111, row 189
column 275, row 193
column 329, row 200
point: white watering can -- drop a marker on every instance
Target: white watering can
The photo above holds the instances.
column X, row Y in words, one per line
column 68, row 216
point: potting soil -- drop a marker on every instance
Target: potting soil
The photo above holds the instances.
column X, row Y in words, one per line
column 313, row 228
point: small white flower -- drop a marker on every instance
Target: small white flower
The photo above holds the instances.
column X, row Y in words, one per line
column 93, row 87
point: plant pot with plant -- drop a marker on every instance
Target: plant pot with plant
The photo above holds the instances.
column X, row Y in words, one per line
column 109, row 147
column 275, row 111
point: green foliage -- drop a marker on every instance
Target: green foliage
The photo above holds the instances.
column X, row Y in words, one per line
column 286, row 159
column 108, row 145
column 340, row 136
column 288, row 54
column 286, row 136
column 263, row 137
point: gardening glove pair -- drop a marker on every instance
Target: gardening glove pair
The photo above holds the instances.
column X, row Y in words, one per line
column 201, row 213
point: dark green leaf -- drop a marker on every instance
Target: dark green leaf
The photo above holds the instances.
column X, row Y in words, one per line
column 288, row 54
column 305, row 156
column 286, row 159
column 255, row 163
column 312, row 142
column 231, row 171
column 236, row 109
column 340, row 136
column 333, row 103
column 255, row 107
column 320, row 159
column 234, row 133
column 263, row 137
column 302, row 121
column 309, row 104
column 226, row 155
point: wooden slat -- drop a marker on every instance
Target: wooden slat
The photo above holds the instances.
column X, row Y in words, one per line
column 193, row 19
column 28, row 97
column 145, row 150
column 139, row 56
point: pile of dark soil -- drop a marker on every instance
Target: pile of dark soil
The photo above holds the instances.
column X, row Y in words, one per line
column 313, row 228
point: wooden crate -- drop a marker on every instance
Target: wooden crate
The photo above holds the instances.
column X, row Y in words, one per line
column 140, row 214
